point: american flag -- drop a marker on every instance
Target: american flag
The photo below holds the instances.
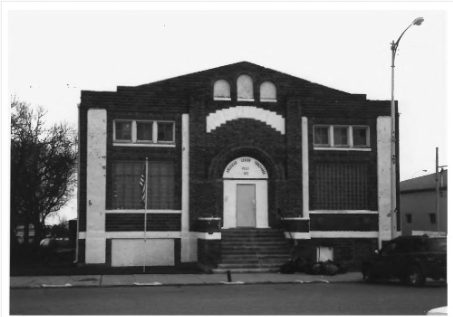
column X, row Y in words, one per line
column 143, row 184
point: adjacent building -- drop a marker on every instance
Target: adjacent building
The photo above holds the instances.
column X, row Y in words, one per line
column 418, row 204
column 236, row 154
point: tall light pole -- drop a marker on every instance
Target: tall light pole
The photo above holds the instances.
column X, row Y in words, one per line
column 393, row 209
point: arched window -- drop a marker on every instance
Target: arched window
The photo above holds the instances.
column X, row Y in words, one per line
column 222, row 90
column 268, row 92
column 245, row 88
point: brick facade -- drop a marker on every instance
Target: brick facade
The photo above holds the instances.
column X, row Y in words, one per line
column 211, row 151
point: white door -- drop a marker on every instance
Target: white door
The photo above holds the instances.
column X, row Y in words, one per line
column 246, row 213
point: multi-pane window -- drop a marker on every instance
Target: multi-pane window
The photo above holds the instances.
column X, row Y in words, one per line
column 127, row 192
column 322, row 136
column 143, row 132
column 165, row 131
column 360, row 136
column 341, row 136
column 123, row 130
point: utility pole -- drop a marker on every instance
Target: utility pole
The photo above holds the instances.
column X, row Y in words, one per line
column 437, row 189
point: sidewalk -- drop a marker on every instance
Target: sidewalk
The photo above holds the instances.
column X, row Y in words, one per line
column 137, row 280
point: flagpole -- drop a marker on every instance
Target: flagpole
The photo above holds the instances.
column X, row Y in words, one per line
column 146, row 202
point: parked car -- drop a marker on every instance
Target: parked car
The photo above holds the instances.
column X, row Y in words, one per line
column 412, row 259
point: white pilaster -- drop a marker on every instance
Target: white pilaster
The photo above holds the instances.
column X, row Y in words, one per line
column 384, row 144
column 96, row 185
column 305, row 179
column 188, row 243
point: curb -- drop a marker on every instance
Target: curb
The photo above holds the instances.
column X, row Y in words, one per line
column 158, row 284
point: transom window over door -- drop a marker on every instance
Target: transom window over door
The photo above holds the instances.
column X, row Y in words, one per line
column 127, row 190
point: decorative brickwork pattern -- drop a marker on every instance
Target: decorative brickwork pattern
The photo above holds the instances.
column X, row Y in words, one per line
column 341, row 187
column 135, row 222
column 344, row 222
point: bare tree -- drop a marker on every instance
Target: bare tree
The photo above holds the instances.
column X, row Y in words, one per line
column 43, row 167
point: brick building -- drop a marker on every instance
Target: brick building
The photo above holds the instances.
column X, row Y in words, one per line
column 241, row 159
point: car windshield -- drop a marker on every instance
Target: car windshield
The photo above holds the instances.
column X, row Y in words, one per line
column 437, row 245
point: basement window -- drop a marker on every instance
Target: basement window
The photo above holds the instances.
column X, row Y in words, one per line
column 324, row 254
column 143, row 133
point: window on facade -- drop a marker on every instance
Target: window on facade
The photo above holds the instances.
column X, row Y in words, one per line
column 245, row 88
column 334, row 136
column 432, row 218
column 408, row 218
column 127, row 190
column 360, row 136
column 268, row 92
column 340, row 135
column 322, row 136
column 145, row 131
column 123, row 130
column 165, row 132
column 222, row 90
column 140, row 132
column 341, row 187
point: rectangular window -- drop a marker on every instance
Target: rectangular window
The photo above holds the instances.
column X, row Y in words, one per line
column 150, row 132
column 127, row 190
column 341, row 137
column 165, row 131
column 322, row 136
column 341, row 187
column 408, row 218
column 123, row 130
column 360, row 136
column 145, row 131
column 432, row 218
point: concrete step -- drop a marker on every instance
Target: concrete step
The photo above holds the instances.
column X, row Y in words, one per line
column 249, row 266
column 250, row 259
column 276, row 234
column 239, row 253
column 245, row 270
column 255, row 256
column 261, row 241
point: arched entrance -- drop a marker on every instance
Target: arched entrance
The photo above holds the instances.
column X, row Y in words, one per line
column 245, row 202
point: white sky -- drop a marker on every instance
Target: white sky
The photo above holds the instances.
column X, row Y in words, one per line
column 53, row 51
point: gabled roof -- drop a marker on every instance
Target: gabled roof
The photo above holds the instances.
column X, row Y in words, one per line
column 427, row 182
column 191, row 81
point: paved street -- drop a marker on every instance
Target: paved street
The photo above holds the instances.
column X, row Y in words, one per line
column 266, row 299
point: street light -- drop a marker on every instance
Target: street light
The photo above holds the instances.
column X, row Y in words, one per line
column 393, row 209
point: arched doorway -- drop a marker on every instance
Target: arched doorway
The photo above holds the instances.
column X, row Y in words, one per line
column 245, row 202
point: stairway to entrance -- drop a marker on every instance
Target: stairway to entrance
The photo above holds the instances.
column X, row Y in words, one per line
column 253, row 250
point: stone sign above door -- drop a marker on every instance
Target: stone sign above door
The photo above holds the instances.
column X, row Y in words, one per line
column 245, row 167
